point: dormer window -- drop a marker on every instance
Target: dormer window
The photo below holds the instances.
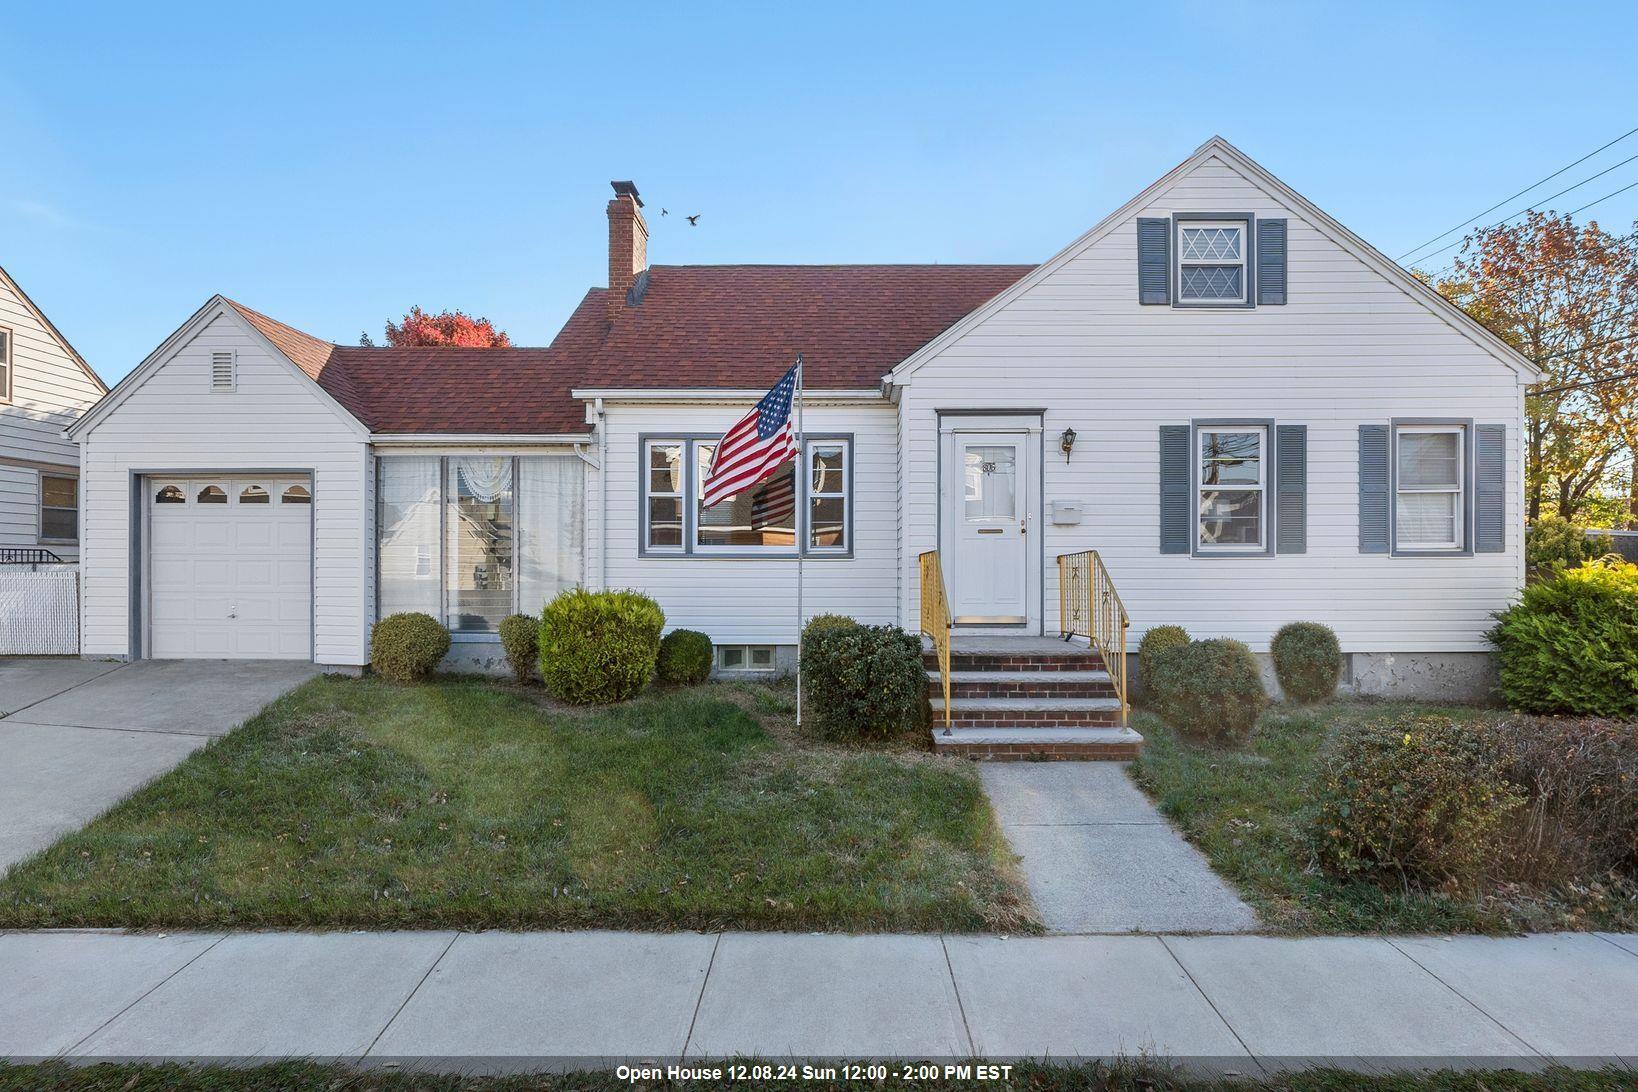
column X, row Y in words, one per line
column 1211, row 261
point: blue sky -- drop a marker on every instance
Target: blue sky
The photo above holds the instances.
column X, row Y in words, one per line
column 334, row 164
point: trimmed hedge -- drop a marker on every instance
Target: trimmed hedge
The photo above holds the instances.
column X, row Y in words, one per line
column 685, row 658
column 1307, row 661
column 599, row 647
column 520, row 637
column 406, row 647
column 863, row 682
column 1419, row 799
column 820, row 622
column 1570, row 644
column 1156, row 643
column 1211, row 688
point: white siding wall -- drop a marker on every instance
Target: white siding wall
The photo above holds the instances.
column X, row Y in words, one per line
column 1349, row 348
column 275, row 419
column 749, row 600
column 49, row 392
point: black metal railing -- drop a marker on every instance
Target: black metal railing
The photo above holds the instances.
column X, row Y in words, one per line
column 28, row 555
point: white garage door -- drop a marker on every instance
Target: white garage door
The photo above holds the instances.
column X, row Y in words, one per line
column 230, row 574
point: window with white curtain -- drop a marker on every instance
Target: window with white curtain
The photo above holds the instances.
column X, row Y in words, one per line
column 1430, row 472
column 470, row 539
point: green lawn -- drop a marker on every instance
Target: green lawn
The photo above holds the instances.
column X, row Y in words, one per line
column 1248, row 811
column 1024, row 1077
column 465, row 803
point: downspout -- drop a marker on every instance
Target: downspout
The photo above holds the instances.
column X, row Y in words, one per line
column 602, row 497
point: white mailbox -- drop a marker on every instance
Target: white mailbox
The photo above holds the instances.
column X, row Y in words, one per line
column 1066, row 512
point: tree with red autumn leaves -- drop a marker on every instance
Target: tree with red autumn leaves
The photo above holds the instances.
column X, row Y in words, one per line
column 1565, row 296
column 447, row 328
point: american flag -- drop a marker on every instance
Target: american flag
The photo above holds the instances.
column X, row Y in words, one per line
column 775, row 502
column 752, row 450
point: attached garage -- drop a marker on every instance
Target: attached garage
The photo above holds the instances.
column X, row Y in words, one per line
column 229, row 567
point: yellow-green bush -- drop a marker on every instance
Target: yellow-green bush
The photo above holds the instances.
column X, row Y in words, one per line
column 1211, row 688
column 1307, row 661
column 1570, row 644
column 1418, row 799
column 405, row 647
column 599, row 647
column 520, row 637
column 685, row 658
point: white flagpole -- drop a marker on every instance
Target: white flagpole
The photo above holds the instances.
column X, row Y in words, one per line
column 801, row 525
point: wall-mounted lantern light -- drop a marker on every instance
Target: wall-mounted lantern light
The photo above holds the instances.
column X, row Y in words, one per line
column 1066, row 443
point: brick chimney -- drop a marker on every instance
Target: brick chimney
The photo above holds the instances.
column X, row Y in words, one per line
column 628, row 244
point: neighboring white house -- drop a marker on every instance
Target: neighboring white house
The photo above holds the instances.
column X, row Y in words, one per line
column 1251, row 414
column 44, row 387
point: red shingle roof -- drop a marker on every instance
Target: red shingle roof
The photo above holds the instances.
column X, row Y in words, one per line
column 735, row 326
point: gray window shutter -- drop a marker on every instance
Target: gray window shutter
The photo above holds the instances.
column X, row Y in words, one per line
column 1490, row 489
column 1270, row 261
column 1154, row 259
column 1291, row 489
column 1373, row 489
column 1176, row 523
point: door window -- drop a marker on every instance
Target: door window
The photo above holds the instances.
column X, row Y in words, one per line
column 991, row 472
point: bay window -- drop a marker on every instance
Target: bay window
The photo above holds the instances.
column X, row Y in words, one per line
column 470, row 539
column 771, row 519
column 1430, row 473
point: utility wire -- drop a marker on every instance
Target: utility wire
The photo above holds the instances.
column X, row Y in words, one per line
column 1543, row 201
column 1553, row 265
column 1516, row 196
column 1587, row 383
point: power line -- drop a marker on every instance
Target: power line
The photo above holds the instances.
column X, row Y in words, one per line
column 1543, row 201
column 1515, row 196
column 1568, row 261
column 1587, row 383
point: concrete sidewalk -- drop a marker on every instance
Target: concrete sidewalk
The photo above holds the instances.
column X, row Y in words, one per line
column 1099, row 858
column 500, row 1001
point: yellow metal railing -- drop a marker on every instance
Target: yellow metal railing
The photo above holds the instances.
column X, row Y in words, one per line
column 935, row 620
column 1089, row 606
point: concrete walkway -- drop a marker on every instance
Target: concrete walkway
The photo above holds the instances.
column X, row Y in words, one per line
column 1100, row 859
column 508, row 1001
column 77, row 736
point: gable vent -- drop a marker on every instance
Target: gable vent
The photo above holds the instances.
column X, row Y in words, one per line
column 222, row 375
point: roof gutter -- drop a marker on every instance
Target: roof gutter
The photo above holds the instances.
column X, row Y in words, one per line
column 714, row 394
column 477, row 439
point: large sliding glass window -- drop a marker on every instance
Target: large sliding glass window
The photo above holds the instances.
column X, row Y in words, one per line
column 470, row 539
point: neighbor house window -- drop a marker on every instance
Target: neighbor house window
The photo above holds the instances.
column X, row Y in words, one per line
column 1233, row 488
column 1211, row 261
column 770, row 518
column 5, row 365
column 471, row 539
column 1429, row 503
column 59, row 508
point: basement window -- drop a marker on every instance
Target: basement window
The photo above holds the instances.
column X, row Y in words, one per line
column 745, row 658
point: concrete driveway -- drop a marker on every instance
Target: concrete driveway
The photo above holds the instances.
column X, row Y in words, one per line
column 77, row 736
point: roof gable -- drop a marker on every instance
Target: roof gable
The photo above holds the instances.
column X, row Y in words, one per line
column 1255, row 173
column 50, row 328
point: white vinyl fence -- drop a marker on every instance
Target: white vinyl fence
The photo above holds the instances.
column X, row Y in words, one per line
column 39, row 610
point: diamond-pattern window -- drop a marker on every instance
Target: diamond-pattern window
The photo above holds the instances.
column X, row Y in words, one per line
column 1212, row 282
column 1211, row 244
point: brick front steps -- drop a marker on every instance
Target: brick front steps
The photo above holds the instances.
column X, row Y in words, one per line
column 1028, row 698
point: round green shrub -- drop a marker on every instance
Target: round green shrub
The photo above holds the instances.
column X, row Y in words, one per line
column 1419, row 799
column 598, row 647
column 1307, row 661
column 406, row 647
column 1210, row 688
column 520, row 637
column 863, row 682
column 821, row 622
column 1155, row 643
column 685, row 657
column 1570, row 644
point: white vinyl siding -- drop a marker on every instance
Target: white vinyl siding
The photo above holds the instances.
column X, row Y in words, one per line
column 1350, row 347
column 273, row 420
column 43, row 390
column 752, row 600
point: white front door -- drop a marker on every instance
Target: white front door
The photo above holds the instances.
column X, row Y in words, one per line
column 987, row 497
column 230, row 568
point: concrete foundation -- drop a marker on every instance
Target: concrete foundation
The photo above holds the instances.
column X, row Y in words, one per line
column 1469, row 677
